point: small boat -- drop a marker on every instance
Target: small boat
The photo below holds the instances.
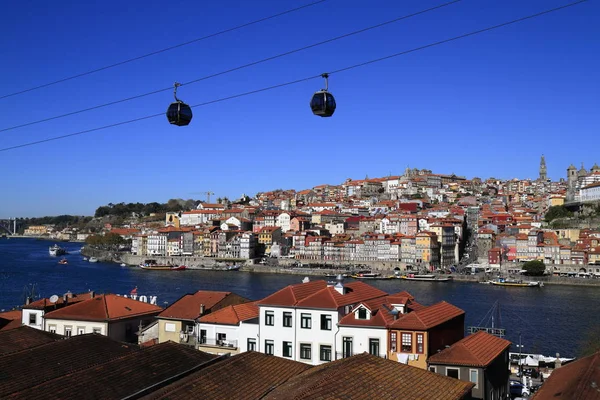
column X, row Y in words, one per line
column 56, row 250
column 85, row 258
column 426, row 278
column 515, row 282
column 336, row 275
column 232, row 268
column 93, row 260
column 63, row 261
column 151, row 264
column 123, row 265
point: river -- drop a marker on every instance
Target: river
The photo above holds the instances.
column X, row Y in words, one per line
column 549, row 320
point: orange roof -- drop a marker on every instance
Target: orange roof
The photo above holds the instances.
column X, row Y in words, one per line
column 477, row 350
column 188, row 306
column 232, row 315
column 427, row 317
column 41, row 304
column 106, row 307
column 329, row 297
column 292, row 294
column 576, row 380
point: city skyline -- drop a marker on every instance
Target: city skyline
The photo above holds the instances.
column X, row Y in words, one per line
column 501, row 100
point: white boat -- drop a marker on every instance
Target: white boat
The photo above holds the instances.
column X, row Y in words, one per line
column 93, row 259
column 426, row 277
column 515, row 283
column 56, row 250
column 85, row 258
column 123, row 265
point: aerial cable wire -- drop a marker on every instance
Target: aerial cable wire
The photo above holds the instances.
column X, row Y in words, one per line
column 440, row 42
column 247, row 24
column 251, row 64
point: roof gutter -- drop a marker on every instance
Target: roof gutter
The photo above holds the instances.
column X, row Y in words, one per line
column 174, row 378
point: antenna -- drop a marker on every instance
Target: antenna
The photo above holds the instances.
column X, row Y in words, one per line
column 53, row 298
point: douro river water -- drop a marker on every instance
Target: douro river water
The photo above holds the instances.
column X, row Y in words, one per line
column 550, row 319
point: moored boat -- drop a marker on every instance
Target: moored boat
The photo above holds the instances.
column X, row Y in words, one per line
column 153, row 265
column 93, row 259
column 232, row 268
column 56, row 250
column 515, row 282
column 426, row 278
column 370, row 275
column 63, row 261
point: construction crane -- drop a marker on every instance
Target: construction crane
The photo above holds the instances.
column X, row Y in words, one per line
column 207, row 194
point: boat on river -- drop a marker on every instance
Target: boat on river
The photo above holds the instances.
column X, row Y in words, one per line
column 370, row 275
column 153, row 265
column 93, row 260
column 56, row 250
column 232, row 268
column 63, row 261
column 515, row 282
column 426, row 278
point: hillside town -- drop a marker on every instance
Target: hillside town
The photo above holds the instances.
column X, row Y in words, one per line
column 418, row 220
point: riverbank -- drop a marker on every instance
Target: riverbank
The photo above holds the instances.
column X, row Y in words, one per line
column 286, row 266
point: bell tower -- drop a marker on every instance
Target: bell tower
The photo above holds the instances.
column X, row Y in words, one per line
column 543, row 171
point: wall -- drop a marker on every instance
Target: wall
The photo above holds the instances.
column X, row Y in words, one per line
column 163, row 335
column 212, row 331
column 315, row 335
column 39, row 319
column 88, row 326
column 360, row 339
column 248, row 329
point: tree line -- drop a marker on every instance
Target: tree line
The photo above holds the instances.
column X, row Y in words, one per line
column 142, row 209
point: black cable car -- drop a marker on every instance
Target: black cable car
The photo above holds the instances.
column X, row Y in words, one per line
column 323, row 103
column 179, row 113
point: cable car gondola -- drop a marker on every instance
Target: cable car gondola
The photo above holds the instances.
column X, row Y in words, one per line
column 179, row 113
column 323, row 103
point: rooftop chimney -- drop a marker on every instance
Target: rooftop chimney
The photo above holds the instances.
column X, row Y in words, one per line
column 557, row 362
column 27, row 300
column 92, row 294
column 339, row 286
column 201, row 309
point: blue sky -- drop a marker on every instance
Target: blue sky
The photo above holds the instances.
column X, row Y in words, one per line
column 487, row 105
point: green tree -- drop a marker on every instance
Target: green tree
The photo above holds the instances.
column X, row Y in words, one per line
column 555, row 212
column 534, row 268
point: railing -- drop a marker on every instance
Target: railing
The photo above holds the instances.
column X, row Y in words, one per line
column 232, row 344
column 340, row 355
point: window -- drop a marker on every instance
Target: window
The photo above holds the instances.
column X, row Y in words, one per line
column 80, row 330
column 221, row 338
column 97, row 330
column 251, row 344
column 202, row 336
column 305, row 350
column 452, row 372
column 169, row 327
column 362, row 313
column 269, row 347
column 406, row 343
column 325, row 353
column 474, row 376
column 374, row 347
column 52, row 328
column 347, row 347
column 32, row 319
column 68, row 331
column 287, row 349
column 420, row 340
column 305, row 321
column 393, row 342
column 325, row 322
column 269, row 318
column 287, row 319
column 433, row 369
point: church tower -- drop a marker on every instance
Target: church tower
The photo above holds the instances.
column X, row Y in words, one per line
column 543, row 171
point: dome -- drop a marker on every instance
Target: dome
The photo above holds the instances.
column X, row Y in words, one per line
column 571, row 167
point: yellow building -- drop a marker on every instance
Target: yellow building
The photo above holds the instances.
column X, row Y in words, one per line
column 172, row 219
column 556, row 201
column 426, row 248
column 36, row 230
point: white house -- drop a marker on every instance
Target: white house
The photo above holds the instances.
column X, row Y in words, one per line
column 299, row 322
column 283, row 221
column 157, row 245
column 232, row 329
column 34, row 312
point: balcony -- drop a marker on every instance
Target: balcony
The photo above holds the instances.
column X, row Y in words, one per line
column 340, row 355
column 220, row 343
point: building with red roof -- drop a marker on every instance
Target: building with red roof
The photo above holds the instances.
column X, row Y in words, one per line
column 479, row 358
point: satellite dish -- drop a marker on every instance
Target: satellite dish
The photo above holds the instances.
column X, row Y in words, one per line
column 53, row 298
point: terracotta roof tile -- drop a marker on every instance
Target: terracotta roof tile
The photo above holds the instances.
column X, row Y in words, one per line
column 188, row 306
column 246, row 376
column 27, row 368
column 577, row 380
column 42, row 304
column 329, row 297
column 10, row 319
column 368, row 377
column 104, row 307
column 427, row 317
column 232, row 315
column 292, row 294
column 477, row 350
column 120, row 377
column 24, row 337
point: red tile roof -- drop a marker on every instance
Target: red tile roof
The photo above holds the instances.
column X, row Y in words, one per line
column 24, row 337
column 578, row 380
column 188, row 306
column 292, row 294
column 477, row 350
column 246, row 376
column 42, row 304
column 368, row 377
column 105, row 307
column 232, row 315
column 10, row 319
column 427, row 317
column 329, row 297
